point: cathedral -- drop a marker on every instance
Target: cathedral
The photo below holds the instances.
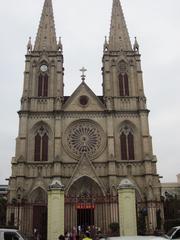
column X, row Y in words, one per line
column 89, row 143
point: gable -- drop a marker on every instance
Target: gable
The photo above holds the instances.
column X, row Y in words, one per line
column 83, row 99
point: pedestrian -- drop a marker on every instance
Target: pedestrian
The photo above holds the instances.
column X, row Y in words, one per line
column 67, row 236
column 61, row 237
column 74, row 233
column 87, row 236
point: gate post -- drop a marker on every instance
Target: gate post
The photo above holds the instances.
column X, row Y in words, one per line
column 127, row 208
column 55, row 210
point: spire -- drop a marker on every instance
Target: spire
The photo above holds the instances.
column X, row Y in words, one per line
column 136, row 46
column 119, row 37
column 46, row 36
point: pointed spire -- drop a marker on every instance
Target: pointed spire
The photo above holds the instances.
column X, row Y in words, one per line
column 59, row 45
column 106, row 45
column 29, row 46
column 136, row 45
column 119, row 36
column 46, row 36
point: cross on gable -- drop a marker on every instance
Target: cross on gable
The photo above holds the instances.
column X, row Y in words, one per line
column 83, row 70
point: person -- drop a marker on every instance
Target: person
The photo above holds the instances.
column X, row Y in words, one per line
column 67, row 236
column 93, row 232
column 87, row 236
column 74, row 233
column 37, row 235
column 61, row 237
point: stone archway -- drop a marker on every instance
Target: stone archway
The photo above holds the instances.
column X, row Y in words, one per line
column 85, row 185
column 86, row 205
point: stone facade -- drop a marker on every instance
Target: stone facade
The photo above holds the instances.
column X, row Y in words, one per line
column 90, row 143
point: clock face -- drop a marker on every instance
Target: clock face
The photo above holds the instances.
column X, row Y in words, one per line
column 44, row 68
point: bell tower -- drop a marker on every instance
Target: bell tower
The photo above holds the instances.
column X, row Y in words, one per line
column 43, row 77
column 43, row 93
column 122, row 74
column 123, row 92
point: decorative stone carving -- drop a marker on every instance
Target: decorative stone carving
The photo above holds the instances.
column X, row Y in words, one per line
column 136, row 46
column 109, row 103
column 56, row 185
column 29, row 46
column 122, row 66
column 84, row 138
column 126, row 183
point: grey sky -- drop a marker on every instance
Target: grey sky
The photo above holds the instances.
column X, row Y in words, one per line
column 82, row 24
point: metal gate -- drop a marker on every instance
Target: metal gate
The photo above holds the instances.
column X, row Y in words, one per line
column 40, row 221
column 91, row 210
column 31, row 219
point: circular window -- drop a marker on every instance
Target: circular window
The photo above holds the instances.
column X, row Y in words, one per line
column 84, row 137
column 83, row 100
column 44, row 68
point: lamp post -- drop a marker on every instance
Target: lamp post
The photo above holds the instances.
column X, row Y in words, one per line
column 18, row 208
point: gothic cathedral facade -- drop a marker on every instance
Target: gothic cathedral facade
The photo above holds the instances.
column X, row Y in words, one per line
column 89, row 143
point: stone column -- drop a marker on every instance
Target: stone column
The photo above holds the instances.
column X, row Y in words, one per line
column 127, row 208
column 55, row 210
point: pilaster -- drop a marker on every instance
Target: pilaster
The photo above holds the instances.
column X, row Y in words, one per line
column 127, row 208
column 55, row 210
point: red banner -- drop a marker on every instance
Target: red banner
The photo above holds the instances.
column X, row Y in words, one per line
column 85, row 206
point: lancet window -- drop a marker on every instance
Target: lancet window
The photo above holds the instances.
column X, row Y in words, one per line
column 41, row 145
column 123, row 84
column 123, row 80
column 127, row 143
column 43, row 85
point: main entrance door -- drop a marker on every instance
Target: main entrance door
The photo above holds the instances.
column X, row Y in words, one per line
column 85, row 217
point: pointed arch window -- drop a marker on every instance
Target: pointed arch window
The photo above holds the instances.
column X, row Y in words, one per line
column 43, row 85
column 41, row 145
column 123, row 84
column 127, row 143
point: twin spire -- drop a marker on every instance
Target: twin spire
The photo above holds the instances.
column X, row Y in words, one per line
column 119, row 36
column 46, row 36
column 118, row 39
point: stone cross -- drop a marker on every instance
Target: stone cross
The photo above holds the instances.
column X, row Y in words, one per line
column 83, row 76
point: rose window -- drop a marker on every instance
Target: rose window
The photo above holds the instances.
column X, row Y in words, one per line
column 84, row 138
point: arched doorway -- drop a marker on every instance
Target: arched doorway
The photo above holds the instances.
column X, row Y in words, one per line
column 87, row 206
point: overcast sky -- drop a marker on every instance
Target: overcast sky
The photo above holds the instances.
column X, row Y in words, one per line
column 82, row 24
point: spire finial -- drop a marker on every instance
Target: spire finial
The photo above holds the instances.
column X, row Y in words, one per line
column 106, row 45
column 46, row 36
column 29, row 46
column 136, row 45
column 59, row 45
column 83, row 76
column 119, row 36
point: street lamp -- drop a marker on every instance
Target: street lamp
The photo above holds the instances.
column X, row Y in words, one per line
column 18, row 206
